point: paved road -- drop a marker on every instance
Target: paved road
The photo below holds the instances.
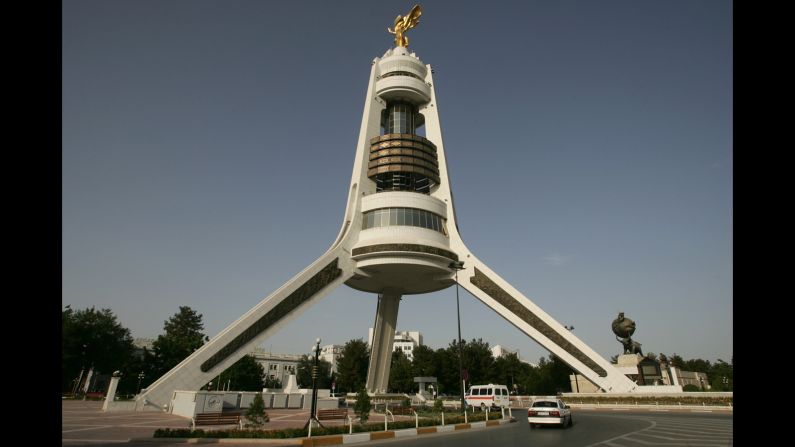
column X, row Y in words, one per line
column 592, row 429
column 84, row 424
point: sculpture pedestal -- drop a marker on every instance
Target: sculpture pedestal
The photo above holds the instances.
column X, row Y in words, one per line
column 628, row 364
column 629, row 359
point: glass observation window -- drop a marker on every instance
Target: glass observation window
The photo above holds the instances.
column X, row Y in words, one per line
column 401, row 73
column 400, row 118
column 385, row 217
column 402, row 181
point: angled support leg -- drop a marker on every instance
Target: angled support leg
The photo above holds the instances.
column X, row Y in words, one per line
column 383, row 340
column 510, row 304
column 241, row 337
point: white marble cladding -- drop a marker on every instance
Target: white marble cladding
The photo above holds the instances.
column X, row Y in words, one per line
column 402, row 87
column 210, row 402
column 404, row 199
column 403, row 235
column 184, row 403
column 398, row 60
column 246, row 398
column 629, row 360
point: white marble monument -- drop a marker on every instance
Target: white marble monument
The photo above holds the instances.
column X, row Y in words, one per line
column 399, row 237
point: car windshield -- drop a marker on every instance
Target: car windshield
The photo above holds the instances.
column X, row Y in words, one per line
column 545, row 404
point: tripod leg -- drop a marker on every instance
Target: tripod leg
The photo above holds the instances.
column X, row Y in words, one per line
column 241, row 337
column 383, row 341
column 509, row 303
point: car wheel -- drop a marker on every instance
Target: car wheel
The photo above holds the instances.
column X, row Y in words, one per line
column 563, row 424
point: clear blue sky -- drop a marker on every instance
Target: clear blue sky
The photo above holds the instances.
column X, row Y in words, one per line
column 208, row 148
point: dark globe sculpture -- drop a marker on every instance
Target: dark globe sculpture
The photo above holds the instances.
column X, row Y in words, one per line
column 623, row 327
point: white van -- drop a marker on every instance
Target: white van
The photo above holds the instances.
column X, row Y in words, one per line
column 491, row 395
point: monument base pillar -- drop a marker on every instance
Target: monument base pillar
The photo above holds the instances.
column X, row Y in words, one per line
column 383, row 341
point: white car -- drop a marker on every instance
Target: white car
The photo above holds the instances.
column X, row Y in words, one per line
column 549, row 410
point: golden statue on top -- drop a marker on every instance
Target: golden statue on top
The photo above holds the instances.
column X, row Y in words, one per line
column 403, row 24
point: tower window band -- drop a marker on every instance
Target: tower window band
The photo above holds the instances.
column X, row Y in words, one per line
column 401, row 160
column 387, row 217
column 399, row 181
column 400, row 118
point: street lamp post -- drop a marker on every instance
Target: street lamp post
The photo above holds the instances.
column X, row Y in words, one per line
column 459, row 265
column 312, row 415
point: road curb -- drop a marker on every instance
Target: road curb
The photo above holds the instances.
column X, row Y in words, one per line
column 624, row 407
column 256, row 441
column 389, row 434
column 334, row 439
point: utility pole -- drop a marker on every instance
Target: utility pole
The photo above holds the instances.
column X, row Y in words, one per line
column 459, row 265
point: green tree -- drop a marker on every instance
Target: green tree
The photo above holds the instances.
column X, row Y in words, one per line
column 362, row 406
column 721, row 376
column 183, row 335
column 272, row 383
column 447, row 372
column 256, row 415
column 424, row 362
column 304, row 374
column 553, row 376
column 352, row 365
column 401, row 379
column 676, row 360
column 529, row 380
column 507, row 370
column 697, row 365
column 141, row 363
column 560, row 373
column 245, row 375
column 478, row 361
column 92, row 338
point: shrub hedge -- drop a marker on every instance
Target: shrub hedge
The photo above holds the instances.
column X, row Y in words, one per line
column 449, row 419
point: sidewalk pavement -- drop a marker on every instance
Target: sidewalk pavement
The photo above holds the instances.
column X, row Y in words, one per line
column 84, row 422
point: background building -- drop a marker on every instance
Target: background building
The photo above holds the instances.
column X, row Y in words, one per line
column 405, row 341
column 330, row 353
column 277, row 366
column 498, row 351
